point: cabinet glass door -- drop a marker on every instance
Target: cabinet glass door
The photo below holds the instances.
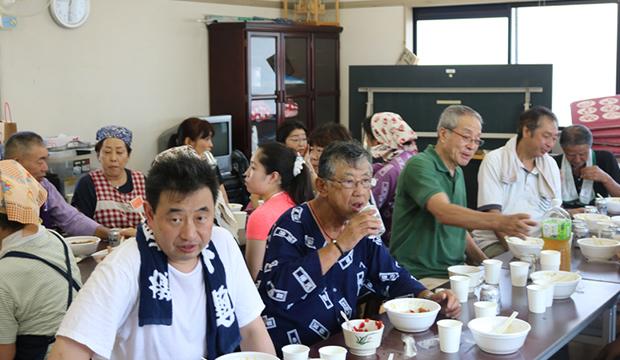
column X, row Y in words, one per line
column 264, row 123
column 326, row 110
column 263, row 65
column 297, row 108
column 326, row 51
column 296, row 64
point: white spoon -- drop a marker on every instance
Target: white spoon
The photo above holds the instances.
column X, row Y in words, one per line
column 347, row 320
column 504, row 326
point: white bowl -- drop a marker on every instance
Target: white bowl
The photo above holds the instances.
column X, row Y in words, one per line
column 530, row 245
column 366, row 341
column 100, row 255
column 405, row 316
column 83, row 245
column 591, row 220
column 565, row 282
column 599, row 248
column 489, row 341
column 616, row 220
column 235, row 207
column 613, row 205
column 474, row 273
column 247, row 355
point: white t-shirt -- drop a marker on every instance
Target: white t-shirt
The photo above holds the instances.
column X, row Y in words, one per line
column 523, row 196
column 104, row 316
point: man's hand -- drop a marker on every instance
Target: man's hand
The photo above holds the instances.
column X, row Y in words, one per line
column 516, row 225
column 359, row 226
column 594, row 173
column 450, row 305
column 128, row 232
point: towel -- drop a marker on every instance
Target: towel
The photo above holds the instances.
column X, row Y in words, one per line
column 545, row 164
column 155, row 303
column 569, row 195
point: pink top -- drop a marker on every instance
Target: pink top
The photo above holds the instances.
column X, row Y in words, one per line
column 262, row 219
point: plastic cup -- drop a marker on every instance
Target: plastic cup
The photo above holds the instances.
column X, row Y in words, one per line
column 518, row 273
column 295, row 352
column 550, row 289
column 492, row 271
column 537, row 298
column 550, row 257
column 485, row 309
column 240, row 217
column 449, row 335
column 459, row 285
column 333, row 352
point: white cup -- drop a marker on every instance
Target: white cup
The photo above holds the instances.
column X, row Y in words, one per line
column 550, row 257
column 537, row 298
column 485, row 308
column 518, row 273
column 235, row 207
column 546, row 267
column 459, row 284
column 240, row 217
column 492, row 271
column 449, row 335
column 550, row 284
column 333, row 352
column 261, row 202
column 600, row 225
column 295, row 352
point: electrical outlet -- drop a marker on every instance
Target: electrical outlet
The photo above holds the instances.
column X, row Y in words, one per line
column 8, row 22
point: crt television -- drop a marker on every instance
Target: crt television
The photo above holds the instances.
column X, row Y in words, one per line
column 222, row 140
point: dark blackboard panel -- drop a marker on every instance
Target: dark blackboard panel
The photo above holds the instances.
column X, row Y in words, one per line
column 500, row 111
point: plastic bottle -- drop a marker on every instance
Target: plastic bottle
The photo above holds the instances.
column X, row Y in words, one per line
column 556, row 232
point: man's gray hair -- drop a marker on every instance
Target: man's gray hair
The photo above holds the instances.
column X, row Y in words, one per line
column 449, row 118
column 20, row 144
column 575, row 135
column 350, row 152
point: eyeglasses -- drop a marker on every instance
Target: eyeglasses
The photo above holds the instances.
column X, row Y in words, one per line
column 469, row 139
column 352, row 184
column 297, row 139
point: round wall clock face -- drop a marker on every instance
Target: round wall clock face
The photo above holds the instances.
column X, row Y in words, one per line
column 70, row 13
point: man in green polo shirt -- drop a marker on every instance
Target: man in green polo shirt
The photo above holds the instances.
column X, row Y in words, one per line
column 430, row 214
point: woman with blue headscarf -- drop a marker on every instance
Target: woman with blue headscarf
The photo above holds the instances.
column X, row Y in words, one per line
column 106, row 195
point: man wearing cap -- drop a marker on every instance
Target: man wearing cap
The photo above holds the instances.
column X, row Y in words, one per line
column 28, row 149
column 40, row 277
column 105, row 195
column 179, row 290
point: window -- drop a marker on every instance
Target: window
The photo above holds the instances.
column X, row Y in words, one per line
column 579, row 38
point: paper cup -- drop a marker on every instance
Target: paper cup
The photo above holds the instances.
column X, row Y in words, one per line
column 518, row 273
column 550, row 289
column 459, row 285
column 240, row 217
column 295, row 352
column 600, row 225
column 261, row 202
column 449, row 335
column 492, row 271
column 545, row 267
column 537, row 298
column 550, row 257
column 485, row 309
column 333, row 352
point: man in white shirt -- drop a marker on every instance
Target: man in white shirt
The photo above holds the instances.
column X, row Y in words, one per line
column 519, row 177
column 180, row 290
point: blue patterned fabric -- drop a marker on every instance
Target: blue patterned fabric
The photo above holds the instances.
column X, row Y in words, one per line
column 115, row 131
column 301, row 304
column 155, row 306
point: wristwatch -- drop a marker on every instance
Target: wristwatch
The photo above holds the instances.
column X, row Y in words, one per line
column 427, row 296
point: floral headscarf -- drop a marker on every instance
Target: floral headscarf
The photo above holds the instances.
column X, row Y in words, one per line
column 391, row 131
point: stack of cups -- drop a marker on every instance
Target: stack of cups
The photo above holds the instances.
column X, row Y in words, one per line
column 449, row 335
column 550, row 260
column 518, row 273
column 492, row 270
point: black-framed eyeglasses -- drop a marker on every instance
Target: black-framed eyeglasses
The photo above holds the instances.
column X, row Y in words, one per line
column 352, row 184
column 469, row 139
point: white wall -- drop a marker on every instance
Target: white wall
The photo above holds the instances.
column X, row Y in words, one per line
column 138, row 63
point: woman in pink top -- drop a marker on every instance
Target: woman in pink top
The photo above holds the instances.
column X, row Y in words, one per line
column 280, row 177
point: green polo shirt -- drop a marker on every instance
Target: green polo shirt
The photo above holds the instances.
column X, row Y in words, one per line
column 418, row 241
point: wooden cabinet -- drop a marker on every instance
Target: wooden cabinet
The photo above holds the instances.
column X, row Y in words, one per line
column 262, row 74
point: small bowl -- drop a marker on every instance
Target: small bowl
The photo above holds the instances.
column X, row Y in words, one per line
column 366, row 341
column 491, row 342
column 474, row 273
column 565, row 282
column 405, row 316
column 613, row 205
column 83, row 245
column 591, row 220
column 247, row 355
column 599, row 248
column 530, row 245
column 235, row 207
column 100, row 255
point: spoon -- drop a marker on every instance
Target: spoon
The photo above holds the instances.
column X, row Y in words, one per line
column 347, row 320
column 504, row 326
column 513, row 239
column 599, row 196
